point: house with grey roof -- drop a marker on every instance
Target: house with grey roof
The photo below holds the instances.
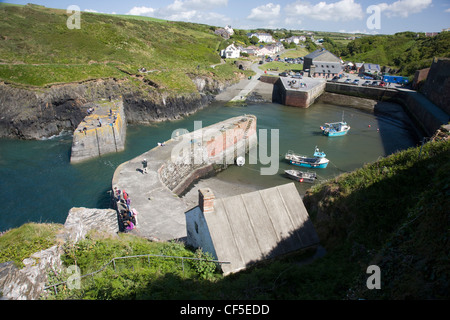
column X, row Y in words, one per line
column 248, row 228
column 322, row 64
column 370, row 69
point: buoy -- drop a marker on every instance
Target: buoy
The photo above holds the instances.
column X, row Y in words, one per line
column 240, row 161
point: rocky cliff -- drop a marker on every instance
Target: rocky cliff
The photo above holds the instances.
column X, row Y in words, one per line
column 29, row 282
column 32, row 113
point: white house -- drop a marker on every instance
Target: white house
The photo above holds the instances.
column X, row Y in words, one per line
column 231, row 52
column 296, row 39
column 263, row 37
column 229, row 30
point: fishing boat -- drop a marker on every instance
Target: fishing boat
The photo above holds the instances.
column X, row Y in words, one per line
column 335, row 129
column 301, row 176
column 318, row 160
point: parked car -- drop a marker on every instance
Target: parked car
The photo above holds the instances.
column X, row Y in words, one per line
column 283, row 74
column 356, row 81
column 366, row 83
column 347, row 81
column 375, row 83
column 382, row 84
column 335, row 79
column 297, row 75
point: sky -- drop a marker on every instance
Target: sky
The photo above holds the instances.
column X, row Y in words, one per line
column 349, row 16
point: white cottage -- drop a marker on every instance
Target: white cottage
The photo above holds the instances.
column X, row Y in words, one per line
column 231, row 52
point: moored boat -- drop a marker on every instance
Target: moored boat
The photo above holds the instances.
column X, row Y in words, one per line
column 301, row 176
column 318, row 160
column 335, row 129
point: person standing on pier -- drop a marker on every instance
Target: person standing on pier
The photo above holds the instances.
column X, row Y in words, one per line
column 144, row 165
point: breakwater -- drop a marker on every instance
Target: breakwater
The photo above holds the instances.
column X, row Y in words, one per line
column 101, row 132
column 173, row 166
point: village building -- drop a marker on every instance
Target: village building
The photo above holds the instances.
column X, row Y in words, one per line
column 229, row 29
column 358, row 66
column 248, row 228
column 250, row 50
column 262, row 37
column 322, row 64
column 225, row 33
column 296, row 39
column 370, row 69
column 231, row 52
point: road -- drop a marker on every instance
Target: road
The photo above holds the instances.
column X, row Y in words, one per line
column 250, row 85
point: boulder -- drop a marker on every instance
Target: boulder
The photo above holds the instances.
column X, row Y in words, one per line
column 82, row 220
column 28, row 283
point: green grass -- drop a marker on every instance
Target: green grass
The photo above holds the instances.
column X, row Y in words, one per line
column 392, row 213
column 20, row 243
column 281, row 66
column 405, row 51
column 37, row 48
column 298, row 52
column 43, row 75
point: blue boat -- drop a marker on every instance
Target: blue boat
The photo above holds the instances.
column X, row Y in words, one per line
column 335, row 129
column 318, row 160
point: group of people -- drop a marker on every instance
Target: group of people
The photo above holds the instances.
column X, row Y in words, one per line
column 127, row 215
column 90, row 110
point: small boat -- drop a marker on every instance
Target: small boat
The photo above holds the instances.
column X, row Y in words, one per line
column 318, row 160
column 301, row 176
column 335, row 129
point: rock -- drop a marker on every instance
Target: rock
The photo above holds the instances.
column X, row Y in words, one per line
column 29, row 282
column 82, row 220
column 37, row 114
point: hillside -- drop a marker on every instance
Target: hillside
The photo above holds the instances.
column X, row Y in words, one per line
column 38, row 49
column 405, row 51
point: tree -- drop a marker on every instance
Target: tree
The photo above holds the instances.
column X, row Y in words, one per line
column 254, row 40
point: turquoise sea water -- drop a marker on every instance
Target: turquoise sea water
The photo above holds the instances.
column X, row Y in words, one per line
column 38, row 183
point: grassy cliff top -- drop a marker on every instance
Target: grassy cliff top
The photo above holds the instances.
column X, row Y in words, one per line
column 38, row 49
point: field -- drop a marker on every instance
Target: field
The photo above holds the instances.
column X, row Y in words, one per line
column 38, row 49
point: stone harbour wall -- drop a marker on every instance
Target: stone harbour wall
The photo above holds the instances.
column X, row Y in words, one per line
column 91, row 140
column 206, row 151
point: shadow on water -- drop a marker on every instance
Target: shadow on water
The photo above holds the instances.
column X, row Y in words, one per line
column 397, row 130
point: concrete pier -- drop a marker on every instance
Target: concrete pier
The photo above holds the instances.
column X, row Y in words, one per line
column 173, row 167
column 301, row 93
column 101, row 132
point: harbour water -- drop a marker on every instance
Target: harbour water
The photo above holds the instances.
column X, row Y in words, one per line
column 38, row 183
